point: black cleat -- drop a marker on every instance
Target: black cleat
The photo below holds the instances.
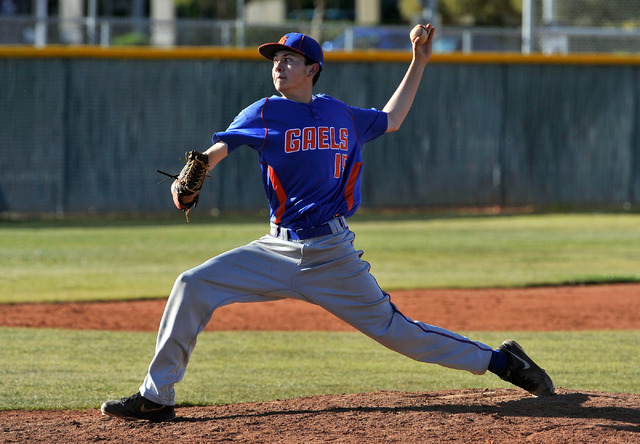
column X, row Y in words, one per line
column 525, row 373
column 138, row 407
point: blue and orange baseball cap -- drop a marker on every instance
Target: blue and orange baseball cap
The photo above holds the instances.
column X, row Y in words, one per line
column 300, row 43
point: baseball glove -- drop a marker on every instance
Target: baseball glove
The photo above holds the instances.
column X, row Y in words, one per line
column 186, row 187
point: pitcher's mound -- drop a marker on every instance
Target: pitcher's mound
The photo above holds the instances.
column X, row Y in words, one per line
column 473, row 415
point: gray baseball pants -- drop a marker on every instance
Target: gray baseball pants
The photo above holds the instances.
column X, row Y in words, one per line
column 327, row 271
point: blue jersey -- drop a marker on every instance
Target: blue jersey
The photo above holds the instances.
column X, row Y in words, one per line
column 310, row 155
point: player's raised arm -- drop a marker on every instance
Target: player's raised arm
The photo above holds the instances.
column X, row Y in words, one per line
column 400, row 102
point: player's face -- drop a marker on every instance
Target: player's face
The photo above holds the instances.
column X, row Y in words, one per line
column 290, row 74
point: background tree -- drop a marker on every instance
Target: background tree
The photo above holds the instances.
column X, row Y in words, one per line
column 481, row 12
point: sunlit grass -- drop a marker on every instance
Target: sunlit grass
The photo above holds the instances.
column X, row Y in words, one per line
column 46, row 368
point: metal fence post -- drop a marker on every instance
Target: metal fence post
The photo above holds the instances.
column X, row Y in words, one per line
column 40, row 35
column 528, row 31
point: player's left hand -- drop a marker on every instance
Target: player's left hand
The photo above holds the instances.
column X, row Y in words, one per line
column 185, row 190
column 183, row 200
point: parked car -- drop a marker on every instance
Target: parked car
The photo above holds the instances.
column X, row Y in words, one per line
column 398, row 39
column 475, row 43
column 369, row 38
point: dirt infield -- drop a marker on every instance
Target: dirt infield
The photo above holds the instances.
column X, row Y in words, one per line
column 599, row 307
column 479, row 416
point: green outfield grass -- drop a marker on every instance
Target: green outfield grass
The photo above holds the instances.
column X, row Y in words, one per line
column 118, row 259
column 63, row 261
column 61, row 369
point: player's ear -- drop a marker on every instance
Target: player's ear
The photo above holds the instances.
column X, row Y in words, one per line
column 314, row 69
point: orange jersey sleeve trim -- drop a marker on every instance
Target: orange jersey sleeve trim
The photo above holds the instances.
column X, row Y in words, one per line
column 280, row 193
column 349, row 192
column 266, row 129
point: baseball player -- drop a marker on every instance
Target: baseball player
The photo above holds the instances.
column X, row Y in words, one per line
column 310, row 151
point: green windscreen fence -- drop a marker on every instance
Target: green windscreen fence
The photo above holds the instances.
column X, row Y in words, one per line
column 87, row 134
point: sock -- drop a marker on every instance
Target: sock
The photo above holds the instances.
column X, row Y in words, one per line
column 498, row 363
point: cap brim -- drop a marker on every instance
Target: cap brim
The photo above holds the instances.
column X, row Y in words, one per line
column 269, row 49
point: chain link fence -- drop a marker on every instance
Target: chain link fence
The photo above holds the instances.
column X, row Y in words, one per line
column 596, row 26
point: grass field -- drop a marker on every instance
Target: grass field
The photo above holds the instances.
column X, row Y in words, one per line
column 119, row 260
column 81, row 369
column 86, row 260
